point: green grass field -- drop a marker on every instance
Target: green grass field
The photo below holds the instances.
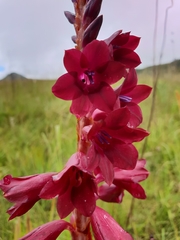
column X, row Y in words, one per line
column 38, row 134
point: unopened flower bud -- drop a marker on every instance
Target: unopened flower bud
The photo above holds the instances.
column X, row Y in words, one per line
column 74, row 39
column 92, row 31
column 92, row 10
column 70, row 17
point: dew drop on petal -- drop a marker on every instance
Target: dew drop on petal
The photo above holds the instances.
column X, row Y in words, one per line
column 7, row 179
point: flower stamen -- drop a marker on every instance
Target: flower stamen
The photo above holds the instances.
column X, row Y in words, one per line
column 125, row 98
column 90, row 75
column 104, row 138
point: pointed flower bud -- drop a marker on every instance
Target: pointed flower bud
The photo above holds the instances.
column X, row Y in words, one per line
column 92, row 31
column 91, row 11
column 70, row 17
column 73, row 38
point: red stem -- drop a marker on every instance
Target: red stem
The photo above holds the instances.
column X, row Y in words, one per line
column 82, row 226
column 80, row 222
column 78, row 25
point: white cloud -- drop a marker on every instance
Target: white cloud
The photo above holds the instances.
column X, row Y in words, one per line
column 35, row 33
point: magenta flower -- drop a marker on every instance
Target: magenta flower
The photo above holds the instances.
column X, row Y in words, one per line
column 111, row 143
column 106, row 162
column 130, row 95
column 74, row 189
column 49, row 231
column 88, row 80
column 122, row 46
column 23, row 191
column 124, row 180
column 105, row 227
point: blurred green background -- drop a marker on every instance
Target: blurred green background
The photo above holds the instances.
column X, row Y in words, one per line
column 38, row 134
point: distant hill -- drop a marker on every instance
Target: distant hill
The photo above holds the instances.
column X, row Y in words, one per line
column 13, row 77
column 163, row 68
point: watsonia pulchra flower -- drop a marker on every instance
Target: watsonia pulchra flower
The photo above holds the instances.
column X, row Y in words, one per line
column 106, row 163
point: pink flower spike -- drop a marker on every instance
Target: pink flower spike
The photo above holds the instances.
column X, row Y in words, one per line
column 106, row 228
column 49, row 231
column 23, row 191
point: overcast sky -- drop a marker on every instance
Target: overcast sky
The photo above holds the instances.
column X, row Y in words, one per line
column 35, row 33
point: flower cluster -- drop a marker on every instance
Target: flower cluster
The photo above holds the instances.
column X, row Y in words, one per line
column 108, row 118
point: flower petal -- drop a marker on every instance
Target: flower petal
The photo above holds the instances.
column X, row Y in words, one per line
column 127, row 57
column 83, row 197
column 64, row 204
column 96, row 127
column 81, row 106
column 106, row 169
column 24, row 189
column 129, row 83
column 106, row 228
column 91, row 161
column 138, row 174
column 113, row 72
column 101, row 101
column 134, row 189
column 128, row 135
column 66, row 88
column 97, row 54
column 72, row 60
column 21, row 208
column 53, row 188
column 112, row 37
column 135, row 114
column 48, row 231
column 121, row 39
column 132, row 43
column 98, row 115
column 9, row 182
column 117, row 118
column 123, row 156
column 110, row 193
column 139, row 93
